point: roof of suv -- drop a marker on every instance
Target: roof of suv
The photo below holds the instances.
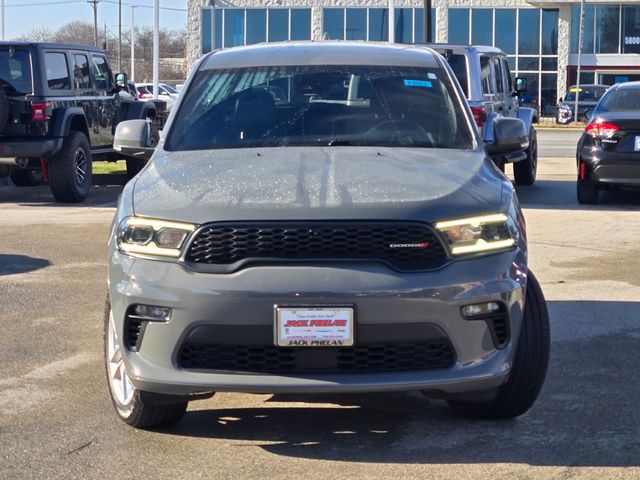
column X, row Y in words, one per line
column 478, row 48
column 330, row 52
column 65, row 46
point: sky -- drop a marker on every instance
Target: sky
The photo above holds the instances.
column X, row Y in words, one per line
column 22, row 16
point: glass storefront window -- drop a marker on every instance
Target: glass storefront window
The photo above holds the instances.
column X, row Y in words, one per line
column 550, row 32
column 300, row 24
column 505, row 29
column 631, row 29
column 586, row 77
column 333, row 23
column 205, row 25
column 528, row 31
column 233, row 27
column 256, row 25
column 217, row 31
column 548, row 89
column 482, row 26
column 404, row 25
column 608, row 30
column 459, row 25
column 356, row 23
column 528, row 63
column 550, row 64
column 588, row 23
column 378, row 26
column 278, row 25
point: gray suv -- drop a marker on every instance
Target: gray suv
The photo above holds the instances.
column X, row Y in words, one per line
column 483, row 73
column 321, row 217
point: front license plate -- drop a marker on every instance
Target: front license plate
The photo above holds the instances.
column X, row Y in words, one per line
column 636, row 147
column 314, row 326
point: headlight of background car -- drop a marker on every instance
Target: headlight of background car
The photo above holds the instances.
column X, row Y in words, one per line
column 152, row 237
column 487, row 233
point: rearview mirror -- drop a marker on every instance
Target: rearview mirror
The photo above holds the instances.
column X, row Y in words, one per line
column 521, row 85
column 121, row 80
column 509, row 135
column 136, row 138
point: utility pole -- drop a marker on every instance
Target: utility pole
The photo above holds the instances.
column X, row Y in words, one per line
column 392, row 22
column 580, row 40
column 156, row 48
column 132, row 73
column 94, row 4
column 119, row 35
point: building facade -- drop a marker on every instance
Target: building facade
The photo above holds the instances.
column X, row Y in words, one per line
column 540, row 37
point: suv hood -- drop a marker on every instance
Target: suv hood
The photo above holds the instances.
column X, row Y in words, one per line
column 323, row 183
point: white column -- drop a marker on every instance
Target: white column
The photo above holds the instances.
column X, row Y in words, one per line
column 392, row 22
column 2, row 20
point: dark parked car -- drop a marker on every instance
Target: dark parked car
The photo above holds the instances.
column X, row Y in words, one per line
column 59, row 107
column 588, row 97
column 609, row 149
column 322, row 217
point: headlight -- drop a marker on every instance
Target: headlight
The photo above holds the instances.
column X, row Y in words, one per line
column 479, row 234
column 152, row 237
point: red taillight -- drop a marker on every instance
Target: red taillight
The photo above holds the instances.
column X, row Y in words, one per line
column 600, row 129
column 140, row 95
column 40, row 111
column 479, row 115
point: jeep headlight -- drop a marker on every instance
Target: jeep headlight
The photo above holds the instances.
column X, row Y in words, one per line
column 486, row 233
column 148, row 236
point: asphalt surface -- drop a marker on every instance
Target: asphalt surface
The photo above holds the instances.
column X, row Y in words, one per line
column 56, row 419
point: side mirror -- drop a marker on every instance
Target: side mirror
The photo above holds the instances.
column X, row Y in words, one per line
column 121, row 80
column 136, row 138
column 509, row 135
column 521, row 85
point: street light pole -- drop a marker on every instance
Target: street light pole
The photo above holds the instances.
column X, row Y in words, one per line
column 580, row 40
column 119, row 35
column 2, row 20
column 426, row 17
column 392, row 22
column 94, row 4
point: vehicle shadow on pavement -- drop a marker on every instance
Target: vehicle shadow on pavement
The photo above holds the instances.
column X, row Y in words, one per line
column 586, row 414
column 40, row 196
column 561, row 195
column 14, row 264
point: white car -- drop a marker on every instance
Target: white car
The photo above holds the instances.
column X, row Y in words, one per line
column 166, row 92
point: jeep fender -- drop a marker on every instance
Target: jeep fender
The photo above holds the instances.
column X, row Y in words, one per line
column 64, row 121
column 141, row 110
column 526, row 115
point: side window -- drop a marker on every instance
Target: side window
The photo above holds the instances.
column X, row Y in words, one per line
column 101, row 73
column 499, row 77
column 57, row 71
column 488, row 87
column 81, row 78
column 507, row 74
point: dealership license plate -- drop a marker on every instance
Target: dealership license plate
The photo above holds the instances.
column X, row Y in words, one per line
column 314, row 326
column 636, row 147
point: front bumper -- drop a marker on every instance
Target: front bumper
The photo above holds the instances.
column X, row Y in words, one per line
column 380, row 296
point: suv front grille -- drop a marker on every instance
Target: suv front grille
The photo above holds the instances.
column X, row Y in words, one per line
column 404, row 246
column 362, row 358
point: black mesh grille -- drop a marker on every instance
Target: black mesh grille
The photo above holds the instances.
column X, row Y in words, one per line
column 133, row 332
column 500, row 325
column 407, row 246
column 363, row 358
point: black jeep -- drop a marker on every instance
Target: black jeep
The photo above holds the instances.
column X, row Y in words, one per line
column 59, row 107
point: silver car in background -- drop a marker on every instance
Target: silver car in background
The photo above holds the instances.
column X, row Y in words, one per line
column 321, row 217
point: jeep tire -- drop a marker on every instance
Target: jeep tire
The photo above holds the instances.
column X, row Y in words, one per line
column 70, row 169
column 136, row 407
column 528, row 369
column 525, row 170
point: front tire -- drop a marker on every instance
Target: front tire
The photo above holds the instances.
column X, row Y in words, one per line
column 525, row 170
column 70, row 170
column 133, row 405
column 529, row 368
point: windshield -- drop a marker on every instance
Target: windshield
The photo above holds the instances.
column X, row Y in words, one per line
column 620, row 100
column 15, row 69
column 586, row 94
column 320, row 105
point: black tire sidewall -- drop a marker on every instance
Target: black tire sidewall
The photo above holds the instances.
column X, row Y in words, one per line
column 525, row 171
column 62, row 169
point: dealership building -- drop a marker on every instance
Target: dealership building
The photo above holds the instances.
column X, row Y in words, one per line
column 540, row 37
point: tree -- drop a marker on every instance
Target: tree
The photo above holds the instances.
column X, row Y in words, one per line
column 78, row 32
column 41, row 33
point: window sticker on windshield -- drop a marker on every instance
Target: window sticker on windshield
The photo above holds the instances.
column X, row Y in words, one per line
column 432, row 76
column 418, row 83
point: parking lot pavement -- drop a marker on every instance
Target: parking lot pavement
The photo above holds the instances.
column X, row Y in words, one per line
column 56, row 420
